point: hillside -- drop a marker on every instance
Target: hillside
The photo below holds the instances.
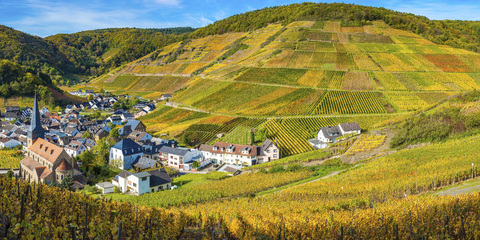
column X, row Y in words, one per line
column 97, row 51
column 294, row 79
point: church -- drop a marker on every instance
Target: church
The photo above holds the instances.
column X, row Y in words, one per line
column 46, row 162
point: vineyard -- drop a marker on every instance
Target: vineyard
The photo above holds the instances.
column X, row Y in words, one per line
column 380, row 196
column 10, row 158
column 238, row 186
column 366, row 143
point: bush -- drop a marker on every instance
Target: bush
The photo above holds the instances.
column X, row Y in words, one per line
column 117, row 190
column 276, row 169
column 293, row 168
column 92, row 189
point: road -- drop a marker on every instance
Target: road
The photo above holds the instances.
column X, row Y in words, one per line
column 16, row 172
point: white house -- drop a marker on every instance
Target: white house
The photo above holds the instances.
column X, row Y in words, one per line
column 106, row 187
column 349, row 128
column 75, row 148
column 116, row 120
column 329, row 134
column 139, row 183
column 181, row 158
column 121, row 180
column 235, row 154
column 143, row 182
column 125, row 152
column 8, row 143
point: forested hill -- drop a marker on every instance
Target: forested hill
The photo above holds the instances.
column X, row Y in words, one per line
column 459, row 34
column 88, row 52
column 95, row 52
column 30, row 50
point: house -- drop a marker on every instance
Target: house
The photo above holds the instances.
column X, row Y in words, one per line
column 233, row 153
column 100, row 134
column 144, row 163
column 181, row 158
column 121, row 180
column 143, row 182
column 44, row 110
column 126, row 116
column 269, row 152
column 136, row 125
column 139, row 183
column 27, row 112
column 90, row 144
column 105, row 187
column 140, row 105
column 159, row 180
column 349, row 128
column 125, row 130
column 8, row 143
column 140, row 113
column 10, row 116
column 71, row 131
column 149, row 108
column 116, row 120
column 138, row 136
column 329, row 134
column 124, row 153
column 165, row 96
column 88, row 92
column 75, row 148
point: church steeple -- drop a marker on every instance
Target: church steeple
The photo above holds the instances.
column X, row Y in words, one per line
column 35, row 131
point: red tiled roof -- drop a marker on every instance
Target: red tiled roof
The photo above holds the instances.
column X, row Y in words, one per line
column 237, row 151
column 46, row 150
column 31, row 164
column 45, row 173
column 64, row 166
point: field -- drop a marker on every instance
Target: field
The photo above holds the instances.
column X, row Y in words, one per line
column 339, row 102
column 366, row 143
column 10, row 158
column 377, row 197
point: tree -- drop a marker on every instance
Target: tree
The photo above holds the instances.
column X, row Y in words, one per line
column 87, row 157
column 96, row 115
column 116, row 105
column 195, row 164
column 87, row 134
column 114, row 133
column 57, row 109
column 67, row 182
column 102, row 151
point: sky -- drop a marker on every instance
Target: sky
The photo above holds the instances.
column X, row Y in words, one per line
column 48, row 17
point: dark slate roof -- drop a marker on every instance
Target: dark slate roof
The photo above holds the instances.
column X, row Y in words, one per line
column 159, row 177
column 35, row 125
column 124, row 174
column 115, row 118
column 331, row 132
column 10, row 115
column 145, row 163
column 127, row 145
column 119, row 111
column 132, row 123
column 174, row 151
column 351, row 126
column 266, row 144
column 167, row 95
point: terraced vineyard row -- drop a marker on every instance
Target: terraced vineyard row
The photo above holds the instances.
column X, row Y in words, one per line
column 336, row 102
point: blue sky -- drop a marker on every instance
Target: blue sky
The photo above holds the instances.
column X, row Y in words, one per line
column 48, row 17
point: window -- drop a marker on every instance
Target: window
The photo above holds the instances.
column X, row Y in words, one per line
column 129, row 182
column 268, row 151
column 274, row 150
column 274, row 155
column 134, row 185
column 144, row 178
column 62, row 177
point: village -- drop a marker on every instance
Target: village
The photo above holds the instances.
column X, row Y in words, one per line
column 56, row 146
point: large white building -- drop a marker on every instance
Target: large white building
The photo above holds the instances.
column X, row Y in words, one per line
column 124, row 153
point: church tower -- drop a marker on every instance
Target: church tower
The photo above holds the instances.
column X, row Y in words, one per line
column 35, row 131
